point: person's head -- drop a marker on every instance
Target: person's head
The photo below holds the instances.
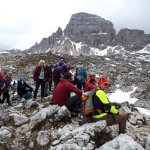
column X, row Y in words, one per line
column 93, row 81
column 68, row 76
column 92, row 75
column 41, row 63
column 104, row 83
column 61, row 62
column 10, row 74
column 22, row 78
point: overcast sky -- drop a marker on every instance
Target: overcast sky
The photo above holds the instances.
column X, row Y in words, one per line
column 23, row 22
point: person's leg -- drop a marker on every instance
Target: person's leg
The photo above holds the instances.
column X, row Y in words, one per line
column 42, row 88
column 79, row 85
column 55, row 83
column 50, row 84
column 46, row 88
column 36, row 89
column 74, row 103
column 83, row 85
column 115, row 119
column 8, row 97
column 3, row 97
column 121, row 120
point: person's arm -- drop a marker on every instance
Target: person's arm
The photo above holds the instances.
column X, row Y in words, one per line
column 28, row 86
column 108, row 107
column 35, row 74
column 72, row 88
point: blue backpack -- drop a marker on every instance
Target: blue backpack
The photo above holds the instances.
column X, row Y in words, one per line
column 27, row 96
column 79, row 74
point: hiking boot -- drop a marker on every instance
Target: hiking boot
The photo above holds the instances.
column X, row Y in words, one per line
column 9, row 104
column 34, row 99
column 74, row 114
column 89, row 119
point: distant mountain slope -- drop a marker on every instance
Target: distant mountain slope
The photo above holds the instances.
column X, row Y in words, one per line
column 88, row 34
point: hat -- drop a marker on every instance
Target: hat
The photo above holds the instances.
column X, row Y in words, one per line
column 22, row 78
column 103, row 80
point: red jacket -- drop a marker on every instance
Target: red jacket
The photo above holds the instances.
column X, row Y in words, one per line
column 63, row 90
column 5, row 82
column 89, row 86
column 37, row 71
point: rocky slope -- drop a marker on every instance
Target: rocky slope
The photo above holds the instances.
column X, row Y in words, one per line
column 39, row 125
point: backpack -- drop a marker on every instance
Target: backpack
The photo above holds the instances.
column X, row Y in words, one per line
column 27, row 96
column 61, row 69
column 79, row 74
column 2, row 84
column 87, row 102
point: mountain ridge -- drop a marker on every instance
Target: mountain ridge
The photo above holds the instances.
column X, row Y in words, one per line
column 91, row 31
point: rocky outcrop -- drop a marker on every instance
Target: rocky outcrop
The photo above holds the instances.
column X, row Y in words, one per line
column 39, row 125
column 90, row 29
column 47, row 43
column 147, row 38
column 122, row 142
column 131, row 39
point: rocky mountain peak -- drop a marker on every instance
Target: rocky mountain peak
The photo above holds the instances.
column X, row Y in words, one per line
column 89, row 34
column 90, row 29
column 47, row 43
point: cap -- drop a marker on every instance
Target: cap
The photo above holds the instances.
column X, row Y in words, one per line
column 103, row 80
column 22, row 78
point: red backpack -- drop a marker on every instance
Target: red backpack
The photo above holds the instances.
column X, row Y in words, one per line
column 3, row 82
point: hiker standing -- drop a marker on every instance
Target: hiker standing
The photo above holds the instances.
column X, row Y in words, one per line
column 80, row 77
column 90, row 85
column 3, row 85
column 48, row 81
column 59, row 70
column 103, row 110
column 7, row 77
column 40, row 76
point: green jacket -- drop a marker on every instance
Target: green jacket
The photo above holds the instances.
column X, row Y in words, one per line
column 103, row 105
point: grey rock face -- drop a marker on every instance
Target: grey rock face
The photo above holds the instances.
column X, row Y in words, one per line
column 122, row 142
column 3, row 115
column 18, row 118
column 43, row 138
column 147, row 144
column 131, row 39
column 90, row 29
column 47, row 43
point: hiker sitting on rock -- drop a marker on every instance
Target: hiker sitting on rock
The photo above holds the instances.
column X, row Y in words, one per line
column 90, row 85
column 103, row 110
column 23, row 89
column 61, row 95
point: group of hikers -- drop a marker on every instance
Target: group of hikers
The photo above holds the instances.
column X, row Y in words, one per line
column 66, row 81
